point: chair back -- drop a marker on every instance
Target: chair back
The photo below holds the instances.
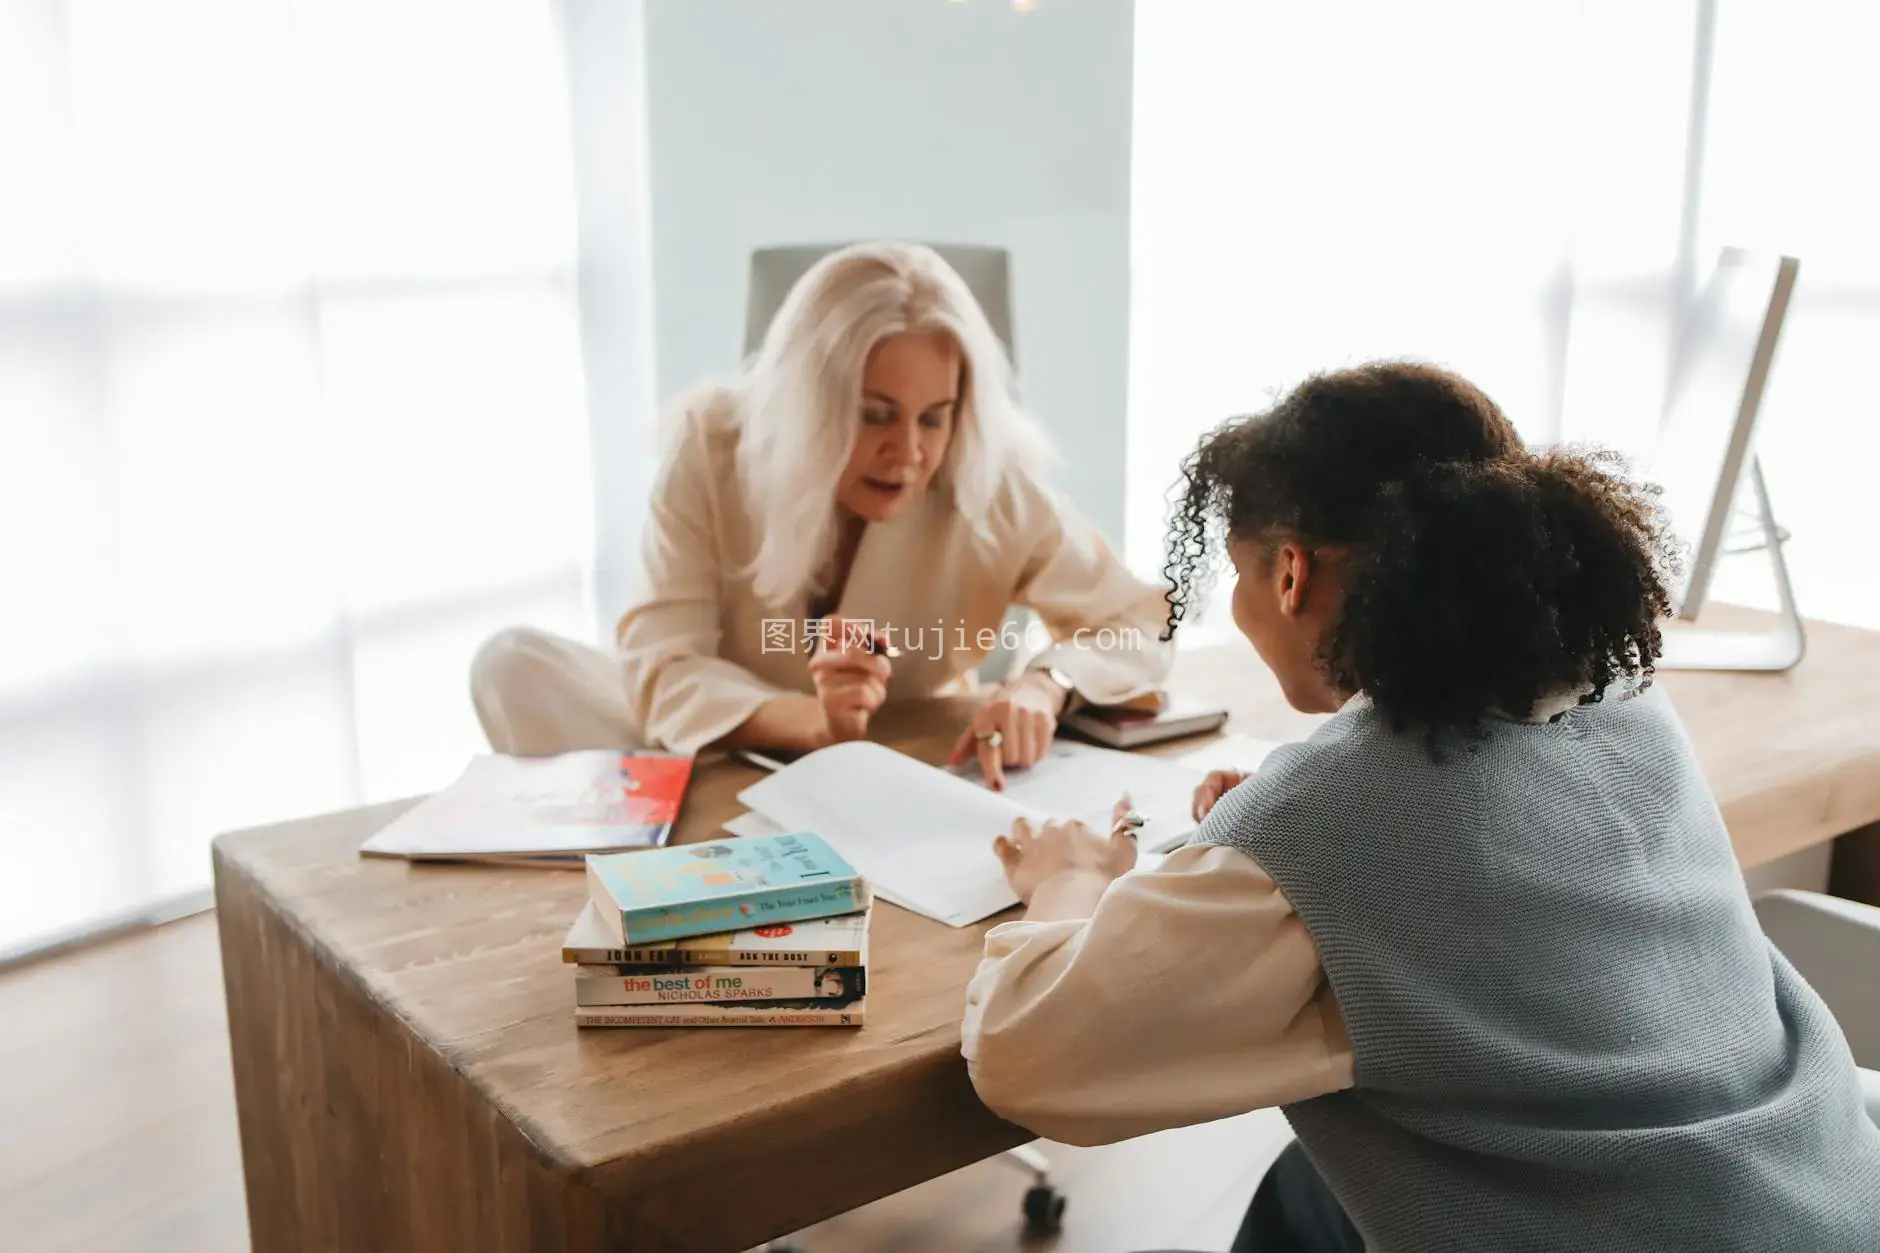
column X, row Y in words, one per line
column 774, row 271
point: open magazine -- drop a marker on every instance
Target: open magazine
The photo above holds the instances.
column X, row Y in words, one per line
column 546, row 810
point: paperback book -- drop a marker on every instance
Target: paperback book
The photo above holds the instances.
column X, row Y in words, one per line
column 720, row 885
column 838, row 941
column 826, row 1013
column 692, row 985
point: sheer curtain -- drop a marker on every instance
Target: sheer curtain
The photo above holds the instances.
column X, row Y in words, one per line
column 1529, row 193
column 292, row 398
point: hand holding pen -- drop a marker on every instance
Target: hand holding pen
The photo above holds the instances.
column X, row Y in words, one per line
column 1033, row 855
column 851, row 676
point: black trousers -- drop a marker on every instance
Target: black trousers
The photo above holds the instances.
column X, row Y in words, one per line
column 1293, row 1211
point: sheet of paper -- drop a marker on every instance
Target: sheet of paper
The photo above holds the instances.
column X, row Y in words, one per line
column 922, row 837
column 750, row 823
column 1084, row 781
column 1229, row 752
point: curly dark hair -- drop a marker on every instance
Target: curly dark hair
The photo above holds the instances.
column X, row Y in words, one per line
column 1480, row 576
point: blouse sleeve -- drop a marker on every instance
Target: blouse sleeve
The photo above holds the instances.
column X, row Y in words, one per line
column 1192, row 993
column 1105, row 623
column 683, row 693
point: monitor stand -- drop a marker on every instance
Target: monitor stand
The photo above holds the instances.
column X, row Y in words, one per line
column 1779, row 647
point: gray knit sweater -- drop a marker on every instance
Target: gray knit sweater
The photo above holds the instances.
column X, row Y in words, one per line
column 1570, row 1033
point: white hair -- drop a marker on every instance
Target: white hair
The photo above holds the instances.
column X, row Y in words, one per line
column 801, row 403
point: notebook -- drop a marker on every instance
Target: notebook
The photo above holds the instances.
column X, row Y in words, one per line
column 922, row 835
column 543, row 810
column 1131, row 726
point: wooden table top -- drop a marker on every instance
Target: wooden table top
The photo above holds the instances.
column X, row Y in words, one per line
column 468, row 957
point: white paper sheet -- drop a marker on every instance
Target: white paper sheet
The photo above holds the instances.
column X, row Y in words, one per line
column 1085, row 781
column 1228, row 752
column 750, row 823
column 923, row 836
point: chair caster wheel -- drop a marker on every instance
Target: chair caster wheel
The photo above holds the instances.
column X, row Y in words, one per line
column 1044, row 1210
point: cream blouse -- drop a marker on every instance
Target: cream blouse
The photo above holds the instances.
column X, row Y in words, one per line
column 701, row 652
column 1192, row 992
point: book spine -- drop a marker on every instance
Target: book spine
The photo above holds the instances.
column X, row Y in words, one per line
column 714, row 985
column 757, row 907
column 655, row 1016
column 658, row 955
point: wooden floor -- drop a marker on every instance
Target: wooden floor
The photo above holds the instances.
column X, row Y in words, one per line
column 117, row 1133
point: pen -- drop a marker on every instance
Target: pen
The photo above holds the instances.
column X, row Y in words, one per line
column 876, row 644
column 880, row 645
column 757, row 759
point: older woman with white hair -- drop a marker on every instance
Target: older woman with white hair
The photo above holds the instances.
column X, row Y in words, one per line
column 846, row 523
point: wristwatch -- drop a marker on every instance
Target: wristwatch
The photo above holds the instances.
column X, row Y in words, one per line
column 1062, row 680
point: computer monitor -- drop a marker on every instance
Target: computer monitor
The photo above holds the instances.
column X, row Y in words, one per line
column 1705, row 446
column 1704, row 442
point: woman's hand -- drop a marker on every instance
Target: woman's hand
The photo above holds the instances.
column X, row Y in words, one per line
column 1013, row 728
column 1218, row 784
column 851, row 682
column 1062, row 852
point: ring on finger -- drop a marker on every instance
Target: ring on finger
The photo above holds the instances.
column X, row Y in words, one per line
column 991, row 739
column 1129, row 824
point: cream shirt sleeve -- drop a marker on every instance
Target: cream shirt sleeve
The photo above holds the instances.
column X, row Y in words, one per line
column 682, row 692
column 1192, row 993
column 1105, row 623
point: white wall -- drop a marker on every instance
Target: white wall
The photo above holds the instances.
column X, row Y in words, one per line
column 821, row 121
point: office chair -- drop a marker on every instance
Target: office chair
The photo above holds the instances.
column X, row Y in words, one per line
column 774, row 271
column 1835, row 945
column 987, row 272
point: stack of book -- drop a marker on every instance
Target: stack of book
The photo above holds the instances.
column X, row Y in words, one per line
column 768, row 931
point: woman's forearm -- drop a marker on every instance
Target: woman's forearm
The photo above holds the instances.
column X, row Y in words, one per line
column 1048, row 692
column 1067, row 894
column 793, row 722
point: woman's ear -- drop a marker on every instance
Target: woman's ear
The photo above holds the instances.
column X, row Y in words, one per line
column 1292, row 577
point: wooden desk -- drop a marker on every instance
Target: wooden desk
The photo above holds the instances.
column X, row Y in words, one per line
column 409, row 1078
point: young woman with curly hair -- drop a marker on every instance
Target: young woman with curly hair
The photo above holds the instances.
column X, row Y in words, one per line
column 1482, row 935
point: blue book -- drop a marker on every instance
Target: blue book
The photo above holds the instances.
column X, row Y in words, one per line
column 721, row 885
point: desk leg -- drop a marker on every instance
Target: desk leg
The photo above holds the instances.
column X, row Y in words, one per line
column 356, row 1137
column 1856, row 867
